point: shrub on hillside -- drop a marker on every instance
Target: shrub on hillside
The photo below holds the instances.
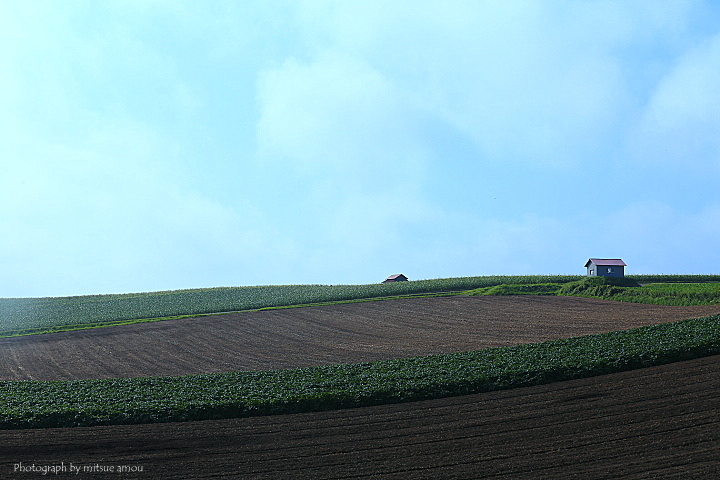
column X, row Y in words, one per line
column 597, row 286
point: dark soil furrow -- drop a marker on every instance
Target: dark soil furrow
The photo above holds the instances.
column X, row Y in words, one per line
column 636, row 433
column 321, row 335
column 658, row 422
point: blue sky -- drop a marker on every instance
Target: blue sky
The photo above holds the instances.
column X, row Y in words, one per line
column 156, row 145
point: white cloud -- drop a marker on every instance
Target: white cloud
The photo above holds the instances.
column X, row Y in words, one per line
column 334, row 114
column 546, row 85
column 94, row 188
column 114, row 213
column 135, row 165
column 337, row 131
column 681, row 122
column 529, row 83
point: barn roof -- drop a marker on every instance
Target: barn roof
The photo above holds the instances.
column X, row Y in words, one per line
column 393, row 277
column 610, row 262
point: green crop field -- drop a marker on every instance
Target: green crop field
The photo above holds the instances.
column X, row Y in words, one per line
column 23, row 316
column 33, row 404
column 38, row 315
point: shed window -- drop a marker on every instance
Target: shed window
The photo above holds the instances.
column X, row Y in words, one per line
column 610, row 270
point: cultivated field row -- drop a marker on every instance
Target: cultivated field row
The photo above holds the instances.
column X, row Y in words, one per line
column 653, row 423
column 22, row 316
column 321, row 335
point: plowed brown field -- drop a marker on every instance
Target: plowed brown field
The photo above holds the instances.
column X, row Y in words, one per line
column 654, row 423
column 308, row 336
column 659, row 422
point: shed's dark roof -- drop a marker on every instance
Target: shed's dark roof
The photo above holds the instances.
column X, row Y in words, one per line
column 613, row 262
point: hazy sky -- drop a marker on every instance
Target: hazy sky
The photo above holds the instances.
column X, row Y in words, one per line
column 155, row 145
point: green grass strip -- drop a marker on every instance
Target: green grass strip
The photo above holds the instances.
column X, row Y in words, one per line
column 33, row 404
column 629, row 289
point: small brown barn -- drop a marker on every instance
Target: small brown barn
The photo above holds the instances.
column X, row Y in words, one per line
column 396, row 278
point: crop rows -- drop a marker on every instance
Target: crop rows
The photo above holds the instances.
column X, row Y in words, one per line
column 18, row 314
column 33, row 404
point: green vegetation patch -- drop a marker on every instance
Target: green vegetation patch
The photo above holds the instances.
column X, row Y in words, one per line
column 651, row 289
column 676, row 278
column 602, row 287
column 26, row 316
column 518, row 289
column 672, row 294
column 19, row 316
column 33, row 404
column 629, row 290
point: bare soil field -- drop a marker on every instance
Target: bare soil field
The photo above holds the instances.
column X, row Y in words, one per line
column 654, row 423
column 320, row 335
